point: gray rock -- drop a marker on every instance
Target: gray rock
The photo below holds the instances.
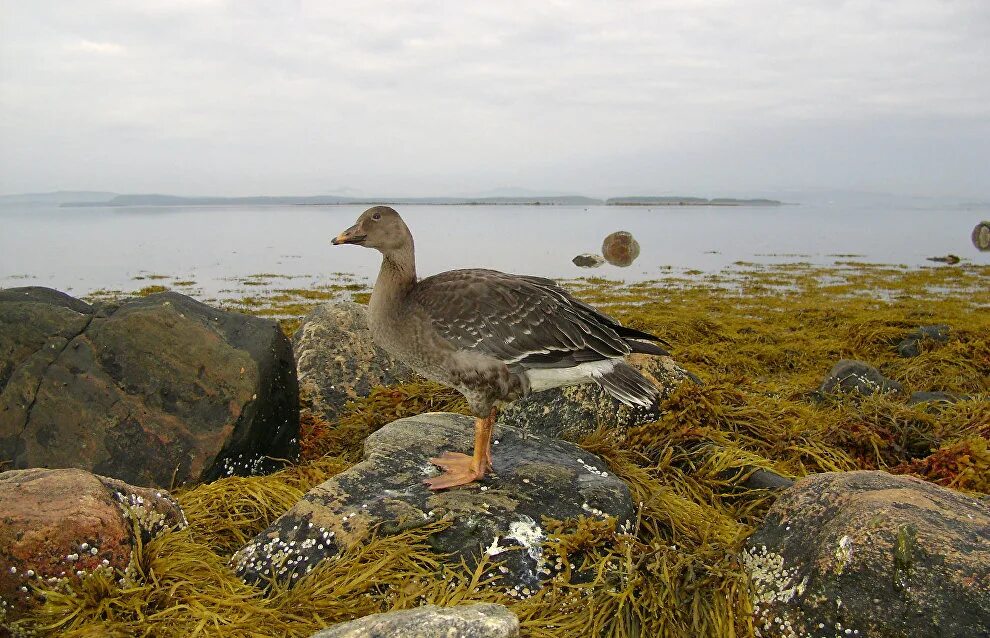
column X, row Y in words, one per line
column 851, row 376
column 482, row 620
column 159, row 390
column 573, row 412
column 931, row 397
column 534, row 477
column 872, row 553
column 910, row 346
column 588, row 260
column 337, row 360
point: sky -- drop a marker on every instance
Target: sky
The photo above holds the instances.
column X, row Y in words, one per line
column 693, row 97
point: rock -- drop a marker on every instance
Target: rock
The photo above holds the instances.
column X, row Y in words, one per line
column 981, row 236
column 931, row 397
column 875, row 554
column 620, row 249
column 159, row 390
column 63, row 524
column 851, row 376
column 910, row 346
column 588, row 260
column 534, row 477
column 947, row 259
column 575, row 411
column 482, row 620
column 337, row 359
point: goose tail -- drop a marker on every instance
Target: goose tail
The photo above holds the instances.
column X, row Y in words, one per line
column 625, row 383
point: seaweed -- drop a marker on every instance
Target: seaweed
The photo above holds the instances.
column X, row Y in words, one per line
column 760, row 337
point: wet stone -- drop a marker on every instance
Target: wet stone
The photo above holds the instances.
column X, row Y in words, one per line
column 337, row 360
column 910, row 346
column 588, row 260
column 501, row 515
column 482, row 620
column 576, row 411
column 849, row 376
column 932, row 397
column 839, row 547
column 67, row 524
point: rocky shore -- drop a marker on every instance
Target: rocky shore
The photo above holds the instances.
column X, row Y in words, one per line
column 174, row 469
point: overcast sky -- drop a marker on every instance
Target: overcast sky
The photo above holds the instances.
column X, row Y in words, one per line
column 701, row 97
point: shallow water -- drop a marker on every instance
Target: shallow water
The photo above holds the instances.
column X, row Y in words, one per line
column 85, row 249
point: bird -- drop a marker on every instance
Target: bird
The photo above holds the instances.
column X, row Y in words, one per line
column 493, row 336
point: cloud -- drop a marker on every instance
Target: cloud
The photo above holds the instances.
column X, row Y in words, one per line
column 429, row 97
column 103, row 48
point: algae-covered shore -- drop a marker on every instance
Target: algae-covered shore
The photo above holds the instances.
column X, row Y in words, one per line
column 761, row 338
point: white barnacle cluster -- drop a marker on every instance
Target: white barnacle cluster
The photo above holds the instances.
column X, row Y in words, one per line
column 770, row 585
column 243, row 466
column 592, row 469
column 286, row 558
column 76, row 565
column 594, row 511
column 146, row 515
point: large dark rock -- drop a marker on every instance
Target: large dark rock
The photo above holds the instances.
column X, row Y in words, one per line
column 575, row 411
column 155, row 391
column 337, row 359
column 62, row 525
column 849, row 376
column 910, row 346
column 481, row 620
column 871, row 554
column 534, row 477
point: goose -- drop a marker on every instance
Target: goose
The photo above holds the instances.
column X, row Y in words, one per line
column 492, row 336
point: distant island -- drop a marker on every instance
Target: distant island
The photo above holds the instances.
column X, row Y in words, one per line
column 333, row 200
column 689, row 201
column 74, row 199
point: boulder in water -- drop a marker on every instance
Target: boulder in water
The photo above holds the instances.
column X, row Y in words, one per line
column 620, row 249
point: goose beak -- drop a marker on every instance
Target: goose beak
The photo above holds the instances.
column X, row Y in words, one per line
column 352, row 235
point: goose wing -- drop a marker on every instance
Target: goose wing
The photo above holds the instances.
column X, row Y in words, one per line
column 525, row 322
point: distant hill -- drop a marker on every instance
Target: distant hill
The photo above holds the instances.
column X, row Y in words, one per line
column 57, row 197
column 689, row 201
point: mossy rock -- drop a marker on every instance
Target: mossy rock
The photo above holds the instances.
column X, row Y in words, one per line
column 838, row 547
column 499, row 517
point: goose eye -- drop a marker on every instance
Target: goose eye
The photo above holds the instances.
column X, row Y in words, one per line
column 376, row 216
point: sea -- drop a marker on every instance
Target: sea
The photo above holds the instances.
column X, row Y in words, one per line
column 85, row 249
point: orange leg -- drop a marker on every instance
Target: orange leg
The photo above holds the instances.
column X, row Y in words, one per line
column 461, row 469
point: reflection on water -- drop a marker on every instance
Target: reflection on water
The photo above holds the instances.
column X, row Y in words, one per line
column 84, row 249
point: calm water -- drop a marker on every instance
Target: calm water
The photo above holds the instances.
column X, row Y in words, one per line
column 85, row 249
